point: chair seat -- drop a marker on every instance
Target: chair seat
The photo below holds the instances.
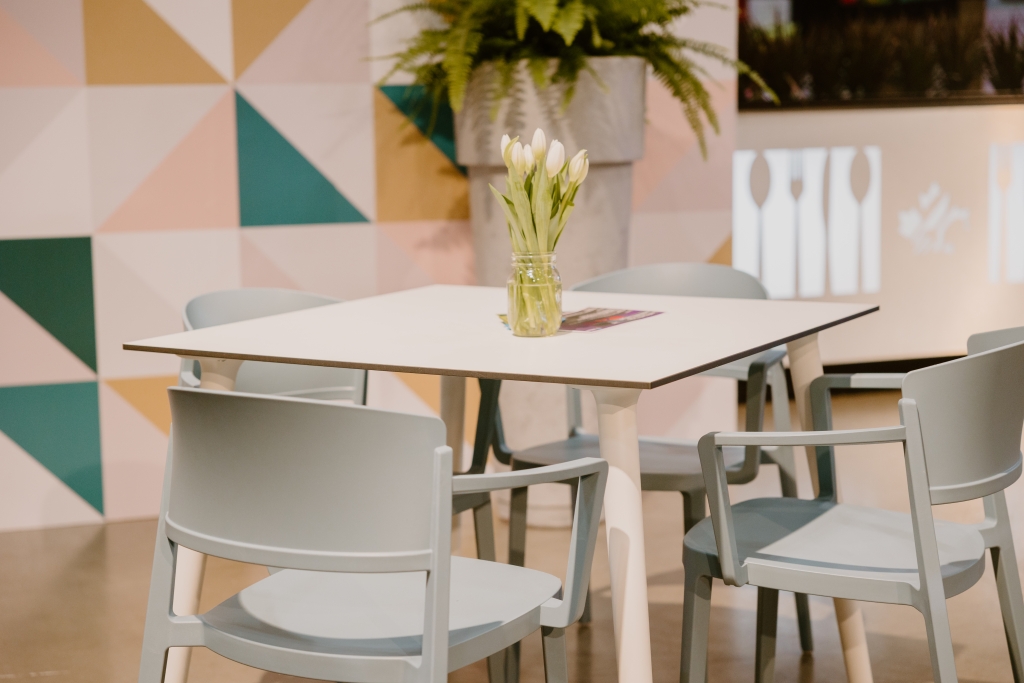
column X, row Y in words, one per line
column 377, row 615
column 842, row 551
column 664, row 465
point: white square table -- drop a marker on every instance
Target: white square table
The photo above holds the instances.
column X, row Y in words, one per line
column 455, row 332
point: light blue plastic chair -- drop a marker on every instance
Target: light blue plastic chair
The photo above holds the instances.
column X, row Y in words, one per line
column 961, row 431
column 355, row 505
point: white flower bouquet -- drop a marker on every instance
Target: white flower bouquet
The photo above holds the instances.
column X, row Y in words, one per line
column 541, row 188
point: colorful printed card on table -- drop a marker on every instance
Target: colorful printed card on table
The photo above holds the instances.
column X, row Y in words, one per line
column 591, row 319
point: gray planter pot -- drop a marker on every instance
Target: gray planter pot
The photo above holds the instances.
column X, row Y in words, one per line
column 606, row 117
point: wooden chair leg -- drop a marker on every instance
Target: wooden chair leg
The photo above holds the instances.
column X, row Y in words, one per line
column 556, row 666
column 767, row 622
column 696, row 621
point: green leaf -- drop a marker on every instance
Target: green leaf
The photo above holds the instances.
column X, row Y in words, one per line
column 569, row 21
column 544, row 12
column 514, row 230
column 522, row 18
column 463, row 35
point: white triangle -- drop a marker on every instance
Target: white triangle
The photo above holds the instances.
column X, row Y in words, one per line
column 134, row 455
column 332, row 126
column 44, row 191
column 31, row 497
column 25, row 112
column 206, row 26
column 179, row 265
column 131, row 130
column 32, row 355
column 126, row 309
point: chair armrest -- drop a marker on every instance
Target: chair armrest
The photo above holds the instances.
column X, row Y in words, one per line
column 823, row 438
column 592, row 474
column 712, row 465
column 821, row 414
column 862, row 380
column 495, row 481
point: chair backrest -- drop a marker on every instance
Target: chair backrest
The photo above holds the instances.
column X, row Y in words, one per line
column 303, row 484
column 986, row 341
column 669, row 279
column 971, row 412
column 679, row 279
column 235, row 305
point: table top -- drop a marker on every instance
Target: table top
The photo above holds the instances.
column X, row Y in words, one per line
column 455, row 330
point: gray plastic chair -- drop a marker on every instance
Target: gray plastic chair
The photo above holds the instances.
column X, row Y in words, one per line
column 668, row 464
column 322, row 383
column 234, row 305
column 996, row 530
column 355, row 505
column 961, row 431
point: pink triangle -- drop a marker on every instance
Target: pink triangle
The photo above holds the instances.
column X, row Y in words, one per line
column 661, row 154
column 260, row 271
column 195, row 186
column 24, row 61
column 326, row 43
column 443, row 250
column 395, row 270
column 57, row 25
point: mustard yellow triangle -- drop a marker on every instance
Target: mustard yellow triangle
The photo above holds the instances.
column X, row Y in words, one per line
column 415, row 180
column 724, row 254
column 428, row 388
column 256, row 24
column 148, row 395
column 126, row 42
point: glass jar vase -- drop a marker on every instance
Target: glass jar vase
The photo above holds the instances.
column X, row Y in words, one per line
column 534, row 296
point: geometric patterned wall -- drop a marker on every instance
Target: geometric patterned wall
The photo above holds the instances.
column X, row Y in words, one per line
column 153, row 150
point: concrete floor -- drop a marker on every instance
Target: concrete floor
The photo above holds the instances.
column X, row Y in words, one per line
column 72, row 601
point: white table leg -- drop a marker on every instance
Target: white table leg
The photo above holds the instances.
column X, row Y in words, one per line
column 624, row 526
column 218, row 374
column 805, row 366
column 453, row 413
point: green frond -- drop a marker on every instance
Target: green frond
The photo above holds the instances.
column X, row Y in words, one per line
column 569, row 21
column 566, row 33
column 544, row 12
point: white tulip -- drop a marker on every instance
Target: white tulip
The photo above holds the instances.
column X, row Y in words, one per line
column 556, row 158
column 539, row 144
column 506, row 141
column 517, row 158
column 528, row 158
column 578, row 167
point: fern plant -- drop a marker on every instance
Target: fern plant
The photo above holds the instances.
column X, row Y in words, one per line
column 555, row 38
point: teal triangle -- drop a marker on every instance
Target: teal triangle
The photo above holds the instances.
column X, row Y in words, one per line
column 58, row 425
column 276, row 184
column 412, row 100
column 51, row 280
